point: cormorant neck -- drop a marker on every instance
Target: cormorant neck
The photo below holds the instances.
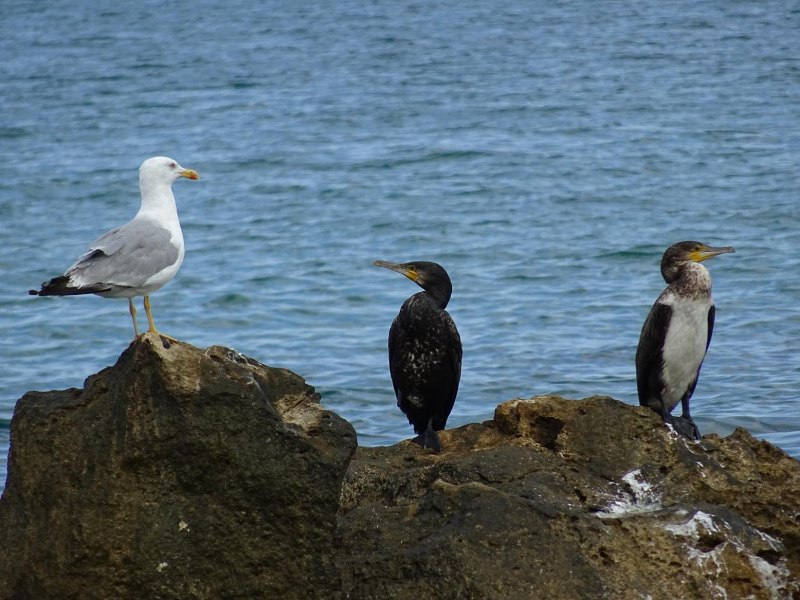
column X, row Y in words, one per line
column 691, row 280
column 683, row 270
column 440, row 294
column 673, row 271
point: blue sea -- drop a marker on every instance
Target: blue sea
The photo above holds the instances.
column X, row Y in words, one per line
column 546, row 153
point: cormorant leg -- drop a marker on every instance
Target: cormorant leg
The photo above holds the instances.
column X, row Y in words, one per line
column 132, row 310
column 695, row 432
column 684, row 424
column 429, row 438
column 665, row 416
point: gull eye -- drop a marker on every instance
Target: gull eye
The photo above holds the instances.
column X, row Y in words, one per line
column 172, row 165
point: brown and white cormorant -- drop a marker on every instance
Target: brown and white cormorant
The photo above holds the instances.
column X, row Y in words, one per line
column 676, row 334
column 425, row 351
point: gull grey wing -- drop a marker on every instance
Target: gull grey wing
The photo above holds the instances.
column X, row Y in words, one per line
column 126, row 256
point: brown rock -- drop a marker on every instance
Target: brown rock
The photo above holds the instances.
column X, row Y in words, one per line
column 572, row 499
column 181, row 473
column 176, row 473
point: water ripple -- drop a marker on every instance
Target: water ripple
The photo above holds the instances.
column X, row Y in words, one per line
column 546, row 157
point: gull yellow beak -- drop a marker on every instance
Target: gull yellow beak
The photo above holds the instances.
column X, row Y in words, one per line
column 190, row 174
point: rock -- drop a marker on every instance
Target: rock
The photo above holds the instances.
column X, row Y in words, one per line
column 181, row 473
column 559, row 499
column 176, row 473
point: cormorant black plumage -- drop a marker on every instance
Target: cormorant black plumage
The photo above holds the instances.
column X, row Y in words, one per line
column 676, row 334
column 425, row 351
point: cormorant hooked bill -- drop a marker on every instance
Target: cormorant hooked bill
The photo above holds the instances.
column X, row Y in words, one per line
column 425, row 351
column 676, row 334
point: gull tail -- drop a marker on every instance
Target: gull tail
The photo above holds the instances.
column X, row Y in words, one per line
column 61, row 286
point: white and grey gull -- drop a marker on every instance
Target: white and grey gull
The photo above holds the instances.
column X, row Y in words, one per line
column 139, row 257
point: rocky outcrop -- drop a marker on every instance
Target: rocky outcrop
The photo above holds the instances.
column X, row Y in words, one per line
column 559, row 499
column 182, row 473
column 176, row 473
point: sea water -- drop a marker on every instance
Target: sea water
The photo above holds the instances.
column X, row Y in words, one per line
column 546, row 153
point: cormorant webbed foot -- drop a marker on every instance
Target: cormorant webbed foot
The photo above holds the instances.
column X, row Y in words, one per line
column 685, row 426
column 429, row 439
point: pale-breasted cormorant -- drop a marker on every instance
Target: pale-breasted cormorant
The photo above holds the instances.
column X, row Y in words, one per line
column 425, row 351
column 676, row 334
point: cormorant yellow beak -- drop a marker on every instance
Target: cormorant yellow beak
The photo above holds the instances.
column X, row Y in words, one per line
column 404, row 269
column 707, row 252
column 190, row 174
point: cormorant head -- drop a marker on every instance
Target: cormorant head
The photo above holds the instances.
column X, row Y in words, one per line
column 678, row 255
column 430, row 276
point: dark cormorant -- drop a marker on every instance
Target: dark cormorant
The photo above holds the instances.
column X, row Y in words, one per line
column 676, row 334
column 425, row 351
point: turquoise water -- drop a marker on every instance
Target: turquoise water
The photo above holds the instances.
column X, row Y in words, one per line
column 545, row 153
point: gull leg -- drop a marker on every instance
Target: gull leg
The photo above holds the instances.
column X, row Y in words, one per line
column 132, row 309
column 152, row 324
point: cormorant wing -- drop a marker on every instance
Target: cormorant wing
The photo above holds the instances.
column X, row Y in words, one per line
column 711, row 313
column 394, row 332
column 649, row 355
column 455, row 363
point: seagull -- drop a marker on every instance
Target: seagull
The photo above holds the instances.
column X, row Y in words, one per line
column 139, row 257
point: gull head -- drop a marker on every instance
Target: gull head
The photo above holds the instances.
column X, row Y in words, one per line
column 163, row 170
